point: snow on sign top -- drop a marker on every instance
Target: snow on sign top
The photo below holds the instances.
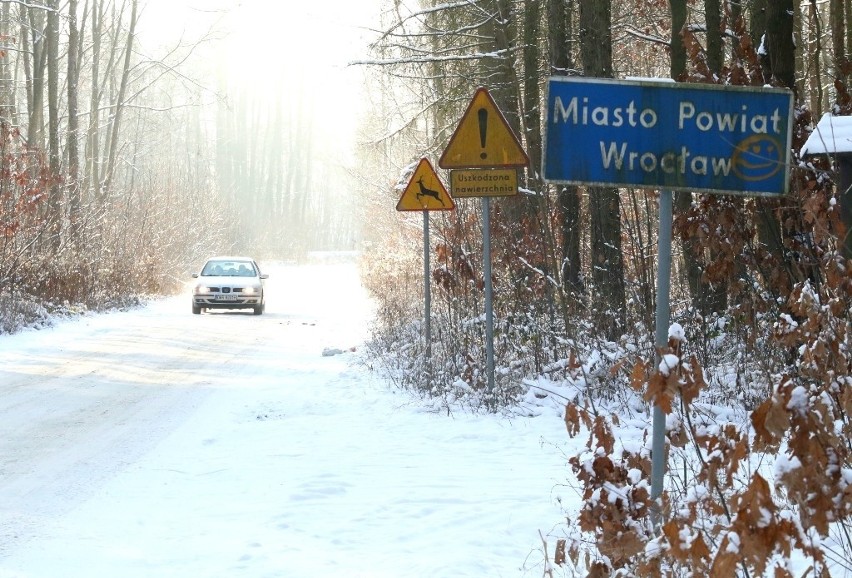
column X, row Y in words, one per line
column 833, row 134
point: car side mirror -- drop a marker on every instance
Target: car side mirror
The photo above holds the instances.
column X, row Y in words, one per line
column 195, row 275
column 264, row 276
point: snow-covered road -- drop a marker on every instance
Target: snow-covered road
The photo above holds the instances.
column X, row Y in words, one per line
column 156, row 443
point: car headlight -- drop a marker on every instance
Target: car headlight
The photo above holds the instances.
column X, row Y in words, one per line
column 202, row 289
column 251, row 290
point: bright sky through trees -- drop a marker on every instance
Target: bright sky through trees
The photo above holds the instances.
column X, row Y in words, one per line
column 277, row 50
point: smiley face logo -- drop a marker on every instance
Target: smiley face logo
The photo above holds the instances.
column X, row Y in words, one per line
column 757, row 158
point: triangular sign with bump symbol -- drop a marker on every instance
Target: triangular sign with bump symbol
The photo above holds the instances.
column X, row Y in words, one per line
column 425, row 191
column 483, row 139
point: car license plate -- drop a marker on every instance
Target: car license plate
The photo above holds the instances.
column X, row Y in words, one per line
column 226, row 297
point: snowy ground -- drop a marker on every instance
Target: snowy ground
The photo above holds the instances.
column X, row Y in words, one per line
column 156, row 443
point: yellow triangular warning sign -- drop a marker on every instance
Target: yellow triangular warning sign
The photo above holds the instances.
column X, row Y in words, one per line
column 425, row 191
column 483, row 139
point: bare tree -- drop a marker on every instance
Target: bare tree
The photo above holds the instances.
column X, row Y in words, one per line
column 713, row 20
column 7, row 85
column 560, row 35
column 531, row 90
column 55, row 190
column 93, row 151
column 34, row 56
column 779, row 42
column 73, row 180
column 682, row 199
column 837, row 19
column 607, row 266
column 119, row 104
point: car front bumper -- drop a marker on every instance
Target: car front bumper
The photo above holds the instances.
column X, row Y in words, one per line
column 218, row 302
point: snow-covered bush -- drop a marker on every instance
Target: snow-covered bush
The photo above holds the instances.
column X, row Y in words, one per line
column 133, row 244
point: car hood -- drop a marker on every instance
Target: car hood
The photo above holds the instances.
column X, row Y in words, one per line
column 228, row 280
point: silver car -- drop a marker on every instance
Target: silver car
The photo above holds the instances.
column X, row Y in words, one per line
column 229, row 283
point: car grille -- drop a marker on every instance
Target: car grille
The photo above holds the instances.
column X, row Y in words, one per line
column 226, row 289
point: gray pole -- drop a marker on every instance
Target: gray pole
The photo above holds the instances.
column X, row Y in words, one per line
column 664, row 268
column 427, row 292
column 489, row 309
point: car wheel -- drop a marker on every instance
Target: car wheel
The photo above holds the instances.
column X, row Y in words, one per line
column 196, row 310
column 258, row 310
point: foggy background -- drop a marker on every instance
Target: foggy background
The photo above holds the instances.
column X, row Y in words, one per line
column 263, row 111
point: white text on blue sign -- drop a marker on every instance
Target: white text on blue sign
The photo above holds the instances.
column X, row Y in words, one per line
column 679, row 137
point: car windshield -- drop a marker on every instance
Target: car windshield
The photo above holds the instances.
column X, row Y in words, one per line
column 229, row 269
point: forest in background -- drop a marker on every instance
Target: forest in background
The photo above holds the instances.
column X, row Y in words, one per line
column 127, row 157
column 757, row 397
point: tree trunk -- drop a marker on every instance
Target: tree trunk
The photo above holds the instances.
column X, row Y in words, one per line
column 605, row 212
column 757, row 18
column 532, row 93
column 814, row 51
column 779, row 42
column 560, row 33
column 73, row 178
column 503, row 82
column 118, row 107
column 499, row 70
column 596, row 38
column 683, row 199
column 847, row 11
column 34, row 68
column 736, row 14
column 55, row 190
column 838, row 39
column 678, row 50
column 713, row 19
column 92, row 137
column 7, row 91
column 801, row 56
column 541, row 203
column 780, row 69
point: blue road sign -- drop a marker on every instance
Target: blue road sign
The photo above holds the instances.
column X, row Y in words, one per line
column 689, row 137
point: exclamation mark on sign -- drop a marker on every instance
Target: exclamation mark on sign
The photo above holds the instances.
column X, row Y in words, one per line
column 483, row 129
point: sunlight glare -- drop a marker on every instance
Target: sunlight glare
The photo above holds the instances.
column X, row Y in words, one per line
column 278, row 51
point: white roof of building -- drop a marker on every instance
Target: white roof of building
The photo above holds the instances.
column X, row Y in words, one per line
column 833, row 134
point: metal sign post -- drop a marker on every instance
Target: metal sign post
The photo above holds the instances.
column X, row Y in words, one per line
column 427, row 296
column 483, row 140
column 425, row 192
column 664, row 269
column 489, row 295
